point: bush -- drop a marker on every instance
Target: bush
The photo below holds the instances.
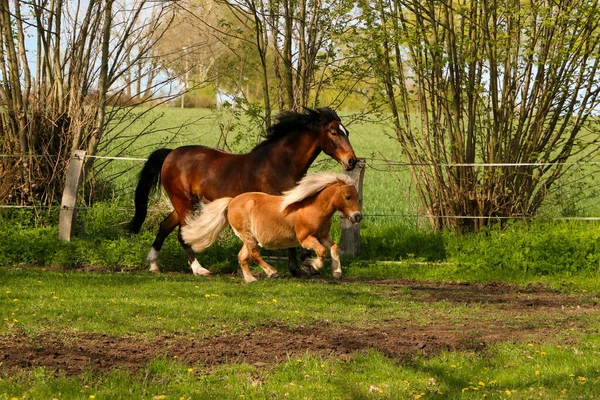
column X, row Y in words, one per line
column 538, row 248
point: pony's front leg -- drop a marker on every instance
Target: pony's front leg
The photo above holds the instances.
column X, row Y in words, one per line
column 312, row 243
column 336, row 265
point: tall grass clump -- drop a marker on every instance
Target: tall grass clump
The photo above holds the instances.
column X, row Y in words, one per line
column 534, row 248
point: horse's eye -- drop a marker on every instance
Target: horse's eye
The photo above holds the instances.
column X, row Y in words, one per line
column 348, row 197
column 334, row 133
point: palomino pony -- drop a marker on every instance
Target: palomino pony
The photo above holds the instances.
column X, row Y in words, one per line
column 301, row 216
column 191, row 174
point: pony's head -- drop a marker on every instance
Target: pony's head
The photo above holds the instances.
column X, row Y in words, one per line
column 344, row 200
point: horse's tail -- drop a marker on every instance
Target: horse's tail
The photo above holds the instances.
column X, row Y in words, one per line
column 202, row 230
column 147, row 184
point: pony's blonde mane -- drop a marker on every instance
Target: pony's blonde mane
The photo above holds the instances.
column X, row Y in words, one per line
column 312, row 184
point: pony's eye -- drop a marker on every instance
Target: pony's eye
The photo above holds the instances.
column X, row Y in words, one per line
column 348, row 197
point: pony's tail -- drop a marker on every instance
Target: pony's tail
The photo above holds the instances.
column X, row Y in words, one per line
column 147, row 184
column 202, row 230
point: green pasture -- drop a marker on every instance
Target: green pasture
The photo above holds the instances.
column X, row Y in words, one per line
column 37, row 302
column 97, row 284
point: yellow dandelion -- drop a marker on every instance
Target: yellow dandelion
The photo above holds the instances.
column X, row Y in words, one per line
column 92, row 396
column 190, row 369
column 207, row 295
column 530, row 344
column 537, row 372
column 480, row 383
column 274, row 300
column 508, row 392
column 299, row 360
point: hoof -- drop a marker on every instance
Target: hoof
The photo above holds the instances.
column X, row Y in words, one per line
column 202, row 273
column 309, row 270
column 274, row 275
column 250, row 280
column 337, row 275
column 155, row 271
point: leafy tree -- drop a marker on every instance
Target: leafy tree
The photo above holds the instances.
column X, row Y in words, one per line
column 486, row 82
column 55, row 87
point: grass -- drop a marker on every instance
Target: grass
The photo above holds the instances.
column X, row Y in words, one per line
column 48, row 295
column 509, row 372
column 37, row 301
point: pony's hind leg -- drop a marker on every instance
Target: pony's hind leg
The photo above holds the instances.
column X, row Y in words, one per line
column 243, row 257
column 197, row 269
column 166, row 227
column 269, row 270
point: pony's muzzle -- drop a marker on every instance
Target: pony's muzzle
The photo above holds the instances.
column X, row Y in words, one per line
column 355, row 217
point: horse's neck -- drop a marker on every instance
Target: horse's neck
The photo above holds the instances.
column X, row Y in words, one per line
column 293, row 154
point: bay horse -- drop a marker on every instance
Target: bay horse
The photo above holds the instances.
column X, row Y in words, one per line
column 194, row 174
column 301, row 216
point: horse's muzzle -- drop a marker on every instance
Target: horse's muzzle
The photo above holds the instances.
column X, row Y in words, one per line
column 350, row 164
column 355, row 218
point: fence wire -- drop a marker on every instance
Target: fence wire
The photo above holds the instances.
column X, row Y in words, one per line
column 377, row 164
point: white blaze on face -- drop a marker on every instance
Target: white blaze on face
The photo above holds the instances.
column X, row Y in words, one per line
column 343, row 129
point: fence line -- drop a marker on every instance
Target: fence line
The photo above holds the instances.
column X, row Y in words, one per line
column 373, row 161
column 521, row 217
column 68, row 208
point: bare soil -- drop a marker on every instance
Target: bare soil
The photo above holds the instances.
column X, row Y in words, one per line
column 70, row 354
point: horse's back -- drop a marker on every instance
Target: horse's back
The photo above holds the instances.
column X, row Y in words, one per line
column 202, row 172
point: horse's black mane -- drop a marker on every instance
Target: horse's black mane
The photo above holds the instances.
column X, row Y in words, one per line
column 289, row 122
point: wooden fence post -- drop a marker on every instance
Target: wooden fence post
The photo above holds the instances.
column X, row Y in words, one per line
column 69, row 197
column 350, row 240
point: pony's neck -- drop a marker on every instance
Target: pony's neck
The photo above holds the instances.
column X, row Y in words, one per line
column 325, row 200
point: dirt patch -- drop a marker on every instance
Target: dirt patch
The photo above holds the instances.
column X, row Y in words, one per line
column 264, row 346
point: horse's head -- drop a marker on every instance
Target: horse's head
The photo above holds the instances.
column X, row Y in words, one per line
column 346, row 201
column 334, row 142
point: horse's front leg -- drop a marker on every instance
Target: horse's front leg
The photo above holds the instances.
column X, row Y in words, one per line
column 295, row 270
column 336, row 265
column 312, row 243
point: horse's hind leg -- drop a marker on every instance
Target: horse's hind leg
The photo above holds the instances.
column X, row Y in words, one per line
column 166, row 227
column 197, row 269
